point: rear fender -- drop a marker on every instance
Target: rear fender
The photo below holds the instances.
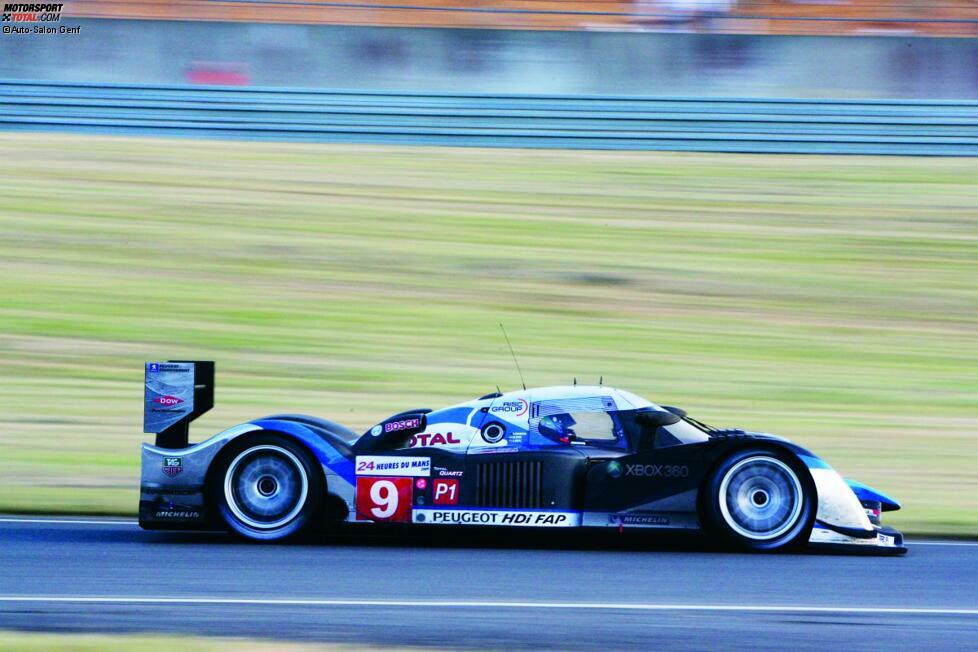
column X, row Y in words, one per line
column 337, row 469
column 172, row 480
column 185, row 469
column 168, row 472
column 333, row 461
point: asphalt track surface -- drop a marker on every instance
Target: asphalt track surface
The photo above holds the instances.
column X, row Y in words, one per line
column 483, row 590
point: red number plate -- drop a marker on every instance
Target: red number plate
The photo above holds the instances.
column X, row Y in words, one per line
column 384, row 499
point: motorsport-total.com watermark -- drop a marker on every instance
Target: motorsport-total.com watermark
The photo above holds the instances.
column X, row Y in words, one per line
column 34, row 18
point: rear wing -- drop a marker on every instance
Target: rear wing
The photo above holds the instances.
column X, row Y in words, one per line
column 176, row 392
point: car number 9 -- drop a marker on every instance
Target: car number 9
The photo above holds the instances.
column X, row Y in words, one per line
column 384, row 499
column 383, row 494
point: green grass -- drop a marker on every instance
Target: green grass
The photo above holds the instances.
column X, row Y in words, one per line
column 13, row 641
column 833, row 300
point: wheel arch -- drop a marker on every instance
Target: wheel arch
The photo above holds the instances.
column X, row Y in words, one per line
column 731, row 447
column 795, row 454
column 333, row 505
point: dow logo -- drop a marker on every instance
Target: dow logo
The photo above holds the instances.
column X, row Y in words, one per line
column 168, row 400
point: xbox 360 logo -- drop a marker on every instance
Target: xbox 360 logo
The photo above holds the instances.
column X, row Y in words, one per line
column 614, row 469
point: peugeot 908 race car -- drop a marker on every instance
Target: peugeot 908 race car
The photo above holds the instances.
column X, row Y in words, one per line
column 549, row 457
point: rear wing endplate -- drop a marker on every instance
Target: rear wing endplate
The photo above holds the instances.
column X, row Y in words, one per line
column 176, row 393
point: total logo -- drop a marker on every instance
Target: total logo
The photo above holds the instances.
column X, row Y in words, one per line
column 657, row 470
column 168, row 400
column 515, row 408
column 433, row 439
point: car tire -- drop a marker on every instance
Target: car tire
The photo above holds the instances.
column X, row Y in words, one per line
column 267, row 488
column 760, row 499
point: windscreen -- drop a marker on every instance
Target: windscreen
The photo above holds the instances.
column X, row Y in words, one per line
column 681, row 432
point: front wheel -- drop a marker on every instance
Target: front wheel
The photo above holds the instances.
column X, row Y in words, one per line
column 758, row 500
column 268, row 488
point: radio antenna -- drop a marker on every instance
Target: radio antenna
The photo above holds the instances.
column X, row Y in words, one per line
column 513, row 353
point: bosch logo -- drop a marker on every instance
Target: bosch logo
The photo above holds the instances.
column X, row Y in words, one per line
column 657, row 470
column 512, row 408
column 168, row 400
column 404, row 424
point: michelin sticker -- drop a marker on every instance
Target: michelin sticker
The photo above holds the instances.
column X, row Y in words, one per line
column 393, row 466
column 496, row 517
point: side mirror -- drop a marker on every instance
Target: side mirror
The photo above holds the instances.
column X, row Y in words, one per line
column 671, row 408
column 656, row 419
column 650, row 421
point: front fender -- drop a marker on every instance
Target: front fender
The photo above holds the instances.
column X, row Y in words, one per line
column 839, row 508
column 841, row 522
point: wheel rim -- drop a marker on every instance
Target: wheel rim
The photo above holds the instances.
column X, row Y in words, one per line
column 761, row 498
column 266, row 487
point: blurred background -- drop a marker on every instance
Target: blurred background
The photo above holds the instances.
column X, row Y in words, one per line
column 828, row 298
column 769, row 48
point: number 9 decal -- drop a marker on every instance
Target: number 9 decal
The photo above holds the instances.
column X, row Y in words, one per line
column 383, row 494
column 384, row 499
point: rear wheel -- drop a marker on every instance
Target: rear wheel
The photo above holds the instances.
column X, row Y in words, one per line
column 268, row 488
column 758, row 500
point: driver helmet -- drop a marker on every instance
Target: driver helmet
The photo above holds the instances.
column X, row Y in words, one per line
column 557, row 426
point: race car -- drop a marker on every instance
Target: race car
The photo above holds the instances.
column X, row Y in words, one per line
column 551, row 457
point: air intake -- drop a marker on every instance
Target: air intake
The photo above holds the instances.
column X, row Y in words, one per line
column 510, row 484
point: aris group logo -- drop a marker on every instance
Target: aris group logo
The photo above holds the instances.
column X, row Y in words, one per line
column 515, row 408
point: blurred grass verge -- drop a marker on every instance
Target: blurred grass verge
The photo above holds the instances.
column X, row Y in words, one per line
column 833, row 300
column 13, row 641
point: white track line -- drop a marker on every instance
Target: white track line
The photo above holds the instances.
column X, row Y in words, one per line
column 67, row 521
column 351, row 602
column 82, row 521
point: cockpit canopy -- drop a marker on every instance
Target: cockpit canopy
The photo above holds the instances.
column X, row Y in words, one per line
column 636, row 429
